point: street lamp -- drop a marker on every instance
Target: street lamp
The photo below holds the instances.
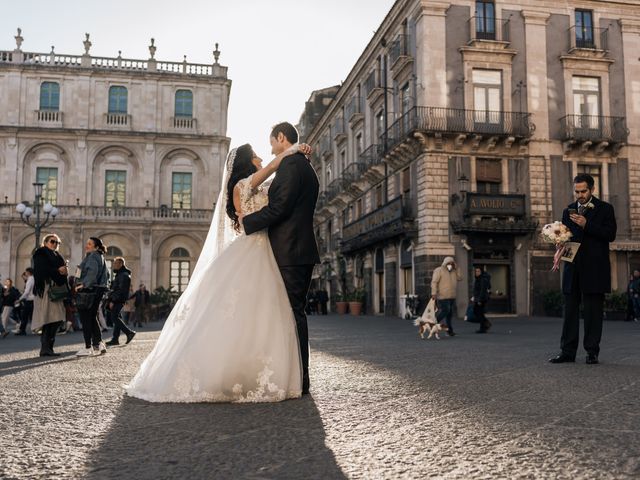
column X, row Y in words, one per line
column 463, row 186
column 27, row 213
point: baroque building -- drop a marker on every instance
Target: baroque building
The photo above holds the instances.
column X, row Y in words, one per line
column 128, row 150
column 458, row 132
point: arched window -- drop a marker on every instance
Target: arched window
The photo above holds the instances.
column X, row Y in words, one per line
column 50, row 96
column 180, row 269
column 118, row 99
column 184, row 103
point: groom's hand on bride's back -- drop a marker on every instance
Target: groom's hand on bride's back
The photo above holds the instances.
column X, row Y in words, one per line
column 305, row 149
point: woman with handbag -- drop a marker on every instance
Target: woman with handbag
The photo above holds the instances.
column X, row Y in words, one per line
column 50, row 290
column 90, row 287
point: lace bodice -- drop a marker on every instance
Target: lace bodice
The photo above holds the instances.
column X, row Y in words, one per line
column 252, row 200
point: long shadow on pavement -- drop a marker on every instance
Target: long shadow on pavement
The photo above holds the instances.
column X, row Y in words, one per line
column 151, row 440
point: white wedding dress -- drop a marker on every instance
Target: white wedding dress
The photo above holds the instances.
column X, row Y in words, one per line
column 231, row 337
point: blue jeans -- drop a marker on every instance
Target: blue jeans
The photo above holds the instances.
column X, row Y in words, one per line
column 445, row 311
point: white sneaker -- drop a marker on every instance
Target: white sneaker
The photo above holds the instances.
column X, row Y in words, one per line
column 102, row 347
column 85, row 352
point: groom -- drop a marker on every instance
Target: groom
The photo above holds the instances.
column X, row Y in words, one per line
column 289, row 218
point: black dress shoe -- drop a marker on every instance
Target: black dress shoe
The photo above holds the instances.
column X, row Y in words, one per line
column 562, row 358
column 112, row 342
column 592, row 359
column 130, row 336
column 49, row 354
column 20, row 334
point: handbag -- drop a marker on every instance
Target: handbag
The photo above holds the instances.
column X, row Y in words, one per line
column 57, row 292
column 85, row 300
column 429, row 314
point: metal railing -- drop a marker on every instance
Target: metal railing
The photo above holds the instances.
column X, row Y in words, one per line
column 353, row 172
column 591, row 38
column 595, row 128
column 489, row 28
column 399, row 48
column 373, row 81
column 371, row 156
column 118, row 213
column 454, row 120
column 354, row 107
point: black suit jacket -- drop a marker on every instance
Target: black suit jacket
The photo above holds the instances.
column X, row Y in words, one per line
column 592, row 260
column 289, row 215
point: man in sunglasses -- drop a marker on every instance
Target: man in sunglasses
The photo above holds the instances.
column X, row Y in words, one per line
column 586, row 280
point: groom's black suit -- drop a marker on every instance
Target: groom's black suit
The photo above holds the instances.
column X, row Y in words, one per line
column 289, row 218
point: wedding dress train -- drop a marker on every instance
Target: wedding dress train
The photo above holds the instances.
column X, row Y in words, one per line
column 231, row 337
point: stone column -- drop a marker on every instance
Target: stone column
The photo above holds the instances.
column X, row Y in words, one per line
column 431, row 63
column 631, row 47
column 536, row 58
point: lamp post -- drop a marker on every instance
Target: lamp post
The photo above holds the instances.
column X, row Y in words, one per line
column 463, row 186
column 31, row 216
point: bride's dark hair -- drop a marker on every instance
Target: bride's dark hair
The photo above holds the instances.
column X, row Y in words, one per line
column 242, row 168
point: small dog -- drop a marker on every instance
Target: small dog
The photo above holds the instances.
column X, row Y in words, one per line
column 434, row 328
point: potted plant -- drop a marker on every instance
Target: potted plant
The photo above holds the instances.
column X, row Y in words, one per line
column 356, row 299
column 553, row 302
column 341, row 304
column 615, row 306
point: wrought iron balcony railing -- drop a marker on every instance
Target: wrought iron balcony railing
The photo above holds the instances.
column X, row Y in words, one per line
column 454, row 120
column 399, row 48
column 595, row 128
column 353, row 108
column 590, row 38
column 333, row 189
column 373, row 81
column 354, row 171
column 489, row 28
column 371, row 156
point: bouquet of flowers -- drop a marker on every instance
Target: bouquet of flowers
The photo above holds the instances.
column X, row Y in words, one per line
column 558, row 234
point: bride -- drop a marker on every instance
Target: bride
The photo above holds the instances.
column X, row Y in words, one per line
column 231, row 337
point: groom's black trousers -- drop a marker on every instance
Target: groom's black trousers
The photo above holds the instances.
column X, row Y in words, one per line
column 297, row 279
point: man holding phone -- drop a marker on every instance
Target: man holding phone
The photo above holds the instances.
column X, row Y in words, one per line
column 586, row 280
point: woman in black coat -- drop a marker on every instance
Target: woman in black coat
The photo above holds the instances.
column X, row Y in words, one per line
column 49, row 267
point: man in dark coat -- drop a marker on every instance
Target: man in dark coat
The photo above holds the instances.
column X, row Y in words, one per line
column 481, row 292
column 289, row 218
column 142, row 302
column 586, row 280
column 117, row 297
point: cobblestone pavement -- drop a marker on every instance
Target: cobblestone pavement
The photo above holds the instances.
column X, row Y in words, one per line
column 384, row 404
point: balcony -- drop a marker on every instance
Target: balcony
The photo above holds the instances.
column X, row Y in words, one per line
column 184, row 123
column 334, row 191
column 394, row 219
column 117, row 120
column 373, row 86
column 373, row 163
column 492, row 29
column 476, row 125
column 49, row 118
column 339, row 131
column 354, row 111
column 594, row 131
column 352, row 177
column 325, row 146
column 119, row 215
column 399, row 56
column 588, row 38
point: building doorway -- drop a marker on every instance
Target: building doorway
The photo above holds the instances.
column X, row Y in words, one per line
column 379, row 281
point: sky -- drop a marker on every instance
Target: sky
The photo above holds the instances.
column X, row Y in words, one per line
column 277, row 51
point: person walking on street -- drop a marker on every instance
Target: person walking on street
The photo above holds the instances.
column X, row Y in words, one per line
column 587, row 279
column 444, row 284
column 142, row 302
column 49, row 270
column 93, row 283
column 481, row 291
column 117, row 297
column 10, row 296
column 635, row 295
column 27, row 301
column 322, row 297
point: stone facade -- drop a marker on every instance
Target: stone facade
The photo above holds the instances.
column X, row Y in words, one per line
column 456, row 133
column 129, row 150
